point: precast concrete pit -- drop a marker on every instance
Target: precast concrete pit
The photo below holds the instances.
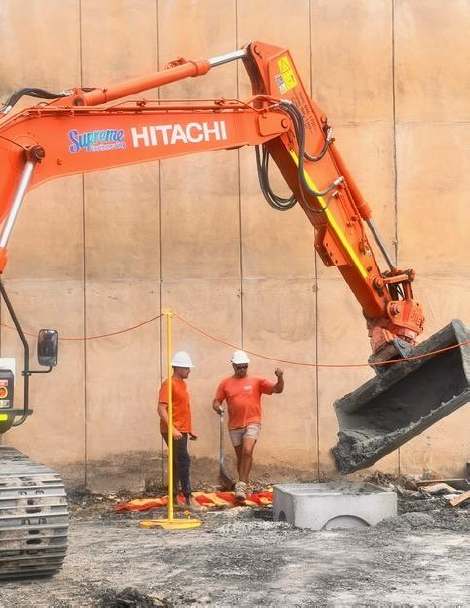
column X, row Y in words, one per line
column 336, row 504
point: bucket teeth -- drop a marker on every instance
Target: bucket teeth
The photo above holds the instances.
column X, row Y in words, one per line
column 404, row 400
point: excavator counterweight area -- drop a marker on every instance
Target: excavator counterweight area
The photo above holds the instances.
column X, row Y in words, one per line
column 404, row 400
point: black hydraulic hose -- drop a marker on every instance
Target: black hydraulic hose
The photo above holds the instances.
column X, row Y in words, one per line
column 299, row 128
column 275, row 201
column 316, row 157
column 33, row 92
column 262, row 165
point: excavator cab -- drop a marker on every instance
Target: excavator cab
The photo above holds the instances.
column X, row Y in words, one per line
column 404, row 399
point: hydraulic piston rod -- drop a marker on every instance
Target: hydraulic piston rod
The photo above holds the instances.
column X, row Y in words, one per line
column 17, row 201
column 221, row 59
column 380, row 243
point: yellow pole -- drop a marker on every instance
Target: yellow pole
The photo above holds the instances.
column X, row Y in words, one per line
column 170, row 523
column 170, row 415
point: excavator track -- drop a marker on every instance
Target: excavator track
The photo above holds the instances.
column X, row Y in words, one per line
column 33, row 518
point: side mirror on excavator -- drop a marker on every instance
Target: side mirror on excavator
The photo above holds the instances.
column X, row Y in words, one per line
column 48, row 346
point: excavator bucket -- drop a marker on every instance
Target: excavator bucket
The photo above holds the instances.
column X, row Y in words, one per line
column 404, row 400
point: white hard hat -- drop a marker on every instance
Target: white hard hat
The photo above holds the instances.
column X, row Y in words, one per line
column 181, row 359
column 240, row 356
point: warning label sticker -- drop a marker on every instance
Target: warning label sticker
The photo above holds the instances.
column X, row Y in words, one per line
column 286, row 79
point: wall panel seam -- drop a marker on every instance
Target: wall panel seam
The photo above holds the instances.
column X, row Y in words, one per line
column 159, row 202
column 85, row 375
column 240, row 233
column 395, row 164
column 316, row 400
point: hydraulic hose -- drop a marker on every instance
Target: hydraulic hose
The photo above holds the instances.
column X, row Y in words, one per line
column 299, row 127
column 316, row 157
column 33, row 92
column 262, row 164
column 275, row 201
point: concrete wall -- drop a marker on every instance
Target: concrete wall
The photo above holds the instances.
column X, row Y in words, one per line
column 99, row 253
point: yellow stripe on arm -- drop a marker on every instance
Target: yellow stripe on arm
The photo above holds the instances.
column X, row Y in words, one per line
column 333, row 223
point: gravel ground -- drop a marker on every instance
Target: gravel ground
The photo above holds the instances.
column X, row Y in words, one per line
column 241, row 557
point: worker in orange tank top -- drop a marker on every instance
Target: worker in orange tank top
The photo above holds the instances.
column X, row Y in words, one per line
column 182, row 429
column 243, row 396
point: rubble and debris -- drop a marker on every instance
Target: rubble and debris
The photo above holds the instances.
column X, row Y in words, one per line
column 438, row 488
column 458, row 484
column 238, row 528
column 128, row 597
column 408, row 521
column 240, row 556
column 240, row 512
column 460, row 499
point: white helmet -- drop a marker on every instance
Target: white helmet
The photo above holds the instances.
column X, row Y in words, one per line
column 239, row 356
column 181, row 359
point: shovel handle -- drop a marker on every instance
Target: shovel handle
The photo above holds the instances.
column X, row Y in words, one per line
column 221, row 444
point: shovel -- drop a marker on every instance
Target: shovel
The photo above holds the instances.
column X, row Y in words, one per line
column 226, row 481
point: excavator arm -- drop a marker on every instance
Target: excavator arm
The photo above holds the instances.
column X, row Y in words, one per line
column 312, row 166
column 83, row 130
column 71, row 135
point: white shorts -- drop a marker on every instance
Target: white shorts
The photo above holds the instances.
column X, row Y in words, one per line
column 251, row 431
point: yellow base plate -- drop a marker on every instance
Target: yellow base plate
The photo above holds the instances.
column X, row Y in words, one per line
column 170, row 524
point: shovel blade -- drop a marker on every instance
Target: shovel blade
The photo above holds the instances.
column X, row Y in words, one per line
column 404, row 400
column 227, row 483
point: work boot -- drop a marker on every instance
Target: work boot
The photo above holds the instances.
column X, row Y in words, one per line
column 193, row 504
column 240, row 490
column 178, row 503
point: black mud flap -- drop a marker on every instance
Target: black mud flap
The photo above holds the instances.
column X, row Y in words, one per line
column 404, row 400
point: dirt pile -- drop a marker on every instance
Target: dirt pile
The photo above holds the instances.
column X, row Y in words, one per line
column 248, row 527
column 128, row 597
column 406, row 522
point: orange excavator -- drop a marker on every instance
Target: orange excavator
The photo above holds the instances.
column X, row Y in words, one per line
column 91, row 129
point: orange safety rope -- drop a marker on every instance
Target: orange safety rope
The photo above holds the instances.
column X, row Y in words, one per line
column 114, row 333
column 430, row 354
column 258, row 355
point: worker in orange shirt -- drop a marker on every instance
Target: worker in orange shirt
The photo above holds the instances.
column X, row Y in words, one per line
column 243, row 396
column 182, row 365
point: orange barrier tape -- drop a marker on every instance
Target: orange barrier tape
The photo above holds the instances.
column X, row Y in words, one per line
column 114, row 333
column 205, row 499
column 302, row 363
column 258, row 355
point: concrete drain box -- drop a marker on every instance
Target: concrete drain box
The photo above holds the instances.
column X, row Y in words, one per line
column 335, row 504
